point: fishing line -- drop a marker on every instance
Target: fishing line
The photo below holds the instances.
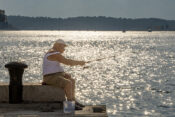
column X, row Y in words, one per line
column 85, row 67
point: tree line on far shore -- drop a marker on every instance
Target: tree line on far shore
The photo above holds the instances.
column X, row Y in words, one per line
column 90, row 23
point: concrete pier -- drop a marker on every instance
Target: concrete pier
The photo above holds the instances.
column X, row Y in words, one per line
column 48, row 110
column 35, row 93
column 42, row 101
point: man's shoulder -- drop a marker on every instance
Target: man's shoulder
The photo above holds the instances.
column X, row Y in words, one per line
column 52, row 52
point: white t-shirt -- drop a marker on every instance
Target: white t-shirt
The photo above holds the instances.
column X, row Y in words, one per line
column 49, row 66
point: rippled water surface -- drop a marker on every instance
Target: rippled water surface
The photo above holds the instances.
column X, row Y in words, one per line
column 138, row 81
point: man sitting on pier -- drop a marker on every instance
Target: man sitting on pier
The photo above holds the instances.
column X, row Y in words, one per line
column 53, row 72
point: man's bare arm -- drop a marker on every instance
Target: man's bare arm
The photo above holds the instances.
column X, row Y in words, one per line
column 62, row 59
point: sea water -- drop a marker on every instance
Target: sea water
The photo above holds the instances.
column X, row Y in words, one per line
column 138, row 81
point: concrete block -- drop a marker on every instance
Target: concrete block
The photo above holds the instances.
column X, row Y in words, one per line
column 4, row 93
column 35, row 93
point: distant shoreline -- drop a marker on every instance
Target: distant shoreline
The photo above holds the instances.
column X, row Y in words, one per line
column 90, row 30
column 100, row 23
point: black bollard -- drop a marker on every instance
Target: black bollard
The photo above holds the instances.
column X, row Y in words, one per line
column 16, row 70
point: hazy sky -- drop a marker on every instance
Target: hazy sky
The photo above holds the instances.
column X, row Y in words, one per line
column 71, row 8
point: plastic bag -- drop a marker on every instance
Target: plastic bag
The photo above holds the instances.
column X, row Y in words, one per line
column 69, row 106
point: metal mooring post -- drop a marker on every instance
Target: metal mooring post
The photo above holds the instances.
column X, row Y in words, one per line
column 16, row 70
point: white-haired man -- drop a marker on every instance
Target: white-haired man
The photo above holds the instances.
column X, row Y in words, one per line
column 53, row 72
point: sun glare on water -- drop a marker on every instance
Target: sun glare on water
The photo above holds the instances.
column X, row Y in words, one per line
column 135, row 78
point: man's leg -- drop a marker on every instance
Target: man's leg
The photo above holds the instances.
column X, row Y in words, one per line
column 57, row 80
column 67, row 76
column 68, row 90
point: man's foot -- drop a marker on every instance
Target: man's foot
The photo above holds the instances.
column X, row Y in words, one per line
column 78, row 104
column 78, row 107
column 43, row 83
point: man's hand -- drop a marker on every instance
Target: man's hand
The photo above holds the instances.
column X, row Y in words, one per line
column 68, row 76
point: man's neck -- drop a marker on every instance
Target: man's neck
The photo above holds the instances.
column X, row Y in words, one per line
column 54, row 49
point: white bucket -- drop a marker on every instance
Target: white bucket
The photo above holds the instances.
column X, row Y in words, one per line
column 69, row 106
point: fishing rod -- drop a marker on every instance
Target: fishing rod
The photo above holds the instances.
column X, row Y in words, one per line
column 85, row 67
